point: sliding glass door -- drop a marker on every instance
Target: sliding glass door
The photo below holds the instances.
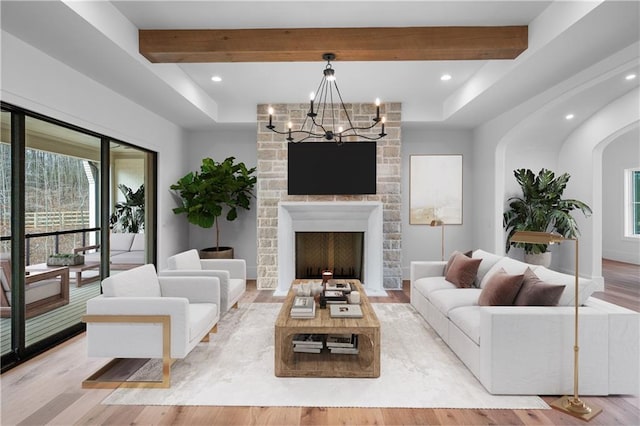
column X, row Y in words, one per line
column 83, row 211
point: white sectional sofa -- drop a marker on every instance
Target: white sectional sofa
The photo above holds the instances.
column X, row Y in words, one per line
column 529, row 349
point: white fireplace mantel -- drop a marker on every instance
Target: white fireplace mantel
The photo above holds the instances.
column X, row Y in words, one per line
column 334, row 216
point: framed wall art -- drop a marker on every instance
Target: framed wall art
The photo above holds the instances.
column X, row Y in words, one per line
column 435, row 189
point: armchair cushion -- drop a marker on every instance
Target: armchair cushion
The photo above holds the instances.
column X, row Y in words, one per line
column 120, row 241
column 232, row 274
column 185, row 260
column 137, row 282
column 196, row 289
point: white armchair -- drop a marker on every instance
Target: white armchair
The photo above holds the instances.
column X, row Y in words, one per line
column 231, row 272
column 141, row 315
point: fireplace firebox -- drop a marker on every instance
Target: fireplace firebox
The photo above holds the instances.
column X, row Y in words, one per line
column 339, row 252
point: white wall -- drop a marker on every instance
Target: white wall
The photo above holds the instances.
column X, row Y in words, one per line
column 581, row 157
column 422, row 242
column 237, row 141
column 32, row 80
column 622, row 153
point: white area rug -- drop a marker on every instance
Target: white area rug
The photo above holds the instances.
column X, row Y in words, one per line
column 237, row 368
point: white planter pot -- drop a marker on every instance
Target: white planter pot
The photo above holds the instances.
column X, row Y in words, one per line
column 543, row 259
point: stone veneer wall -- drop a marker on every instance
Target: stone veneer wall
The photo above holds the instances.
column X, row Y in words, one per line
column 272, row 185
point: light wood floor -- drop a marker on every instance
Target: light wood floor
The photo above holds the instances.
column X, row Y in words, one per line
column 46, row 390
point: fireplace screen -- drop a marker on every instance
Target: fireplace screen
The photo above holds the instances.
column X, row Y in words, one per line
column 340, row 252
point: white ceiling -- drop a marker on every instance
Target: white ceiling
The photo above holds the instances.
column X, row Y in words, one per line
column 578, row 54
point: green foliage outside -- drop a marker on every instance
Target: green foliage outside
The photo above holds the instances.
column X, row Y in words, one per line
column 128, row 216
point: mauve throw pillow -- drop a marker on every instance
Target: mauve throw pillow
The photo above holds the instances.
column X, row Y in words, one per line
column 462, row 271
column 535, row 292
column 501, row 289
column 453, row 255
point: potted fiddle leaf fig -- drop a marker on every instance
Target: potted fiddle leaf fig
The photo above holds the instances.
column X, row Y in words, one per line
column 541, row 208
column 217, row 189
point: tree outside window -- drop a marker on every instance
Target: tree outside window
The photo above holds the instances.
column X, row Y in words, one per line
column 632, row 202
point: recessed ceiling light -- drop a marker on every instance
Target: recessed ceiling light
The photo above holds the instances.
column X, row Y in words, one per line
column 569, row 117
column 630, row 77
column 216, row 78
column 445, row 77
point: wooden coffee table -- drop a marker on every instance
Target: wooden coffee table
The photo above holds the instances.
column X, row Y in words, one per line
column 77, row 269
column 325, row 364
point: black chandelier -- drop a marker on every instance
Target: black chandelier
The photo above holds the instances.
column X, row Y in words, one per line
column 322, row 122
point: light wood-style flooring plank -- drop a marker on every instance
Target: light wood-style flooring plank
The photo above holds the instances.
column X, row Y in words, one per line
column 46, row 390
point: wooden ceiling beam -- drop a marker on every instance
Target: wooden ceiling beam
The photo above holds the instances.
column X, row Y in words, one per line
column 348, row 44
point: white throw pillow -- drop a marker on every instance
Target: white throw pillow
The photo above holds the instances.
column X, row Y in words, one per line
column 586, row 287
column 488, row 260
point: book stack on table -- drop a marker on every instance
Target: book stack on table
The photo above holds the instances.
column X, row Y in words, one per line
column 308, row 343
column 334, row 297
column 342, row 343
column 338, row 286
column 303, row 307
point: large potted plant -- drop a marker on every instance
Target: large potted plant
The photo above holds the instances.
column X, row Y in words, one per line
column 206, row 195
column 541, row 208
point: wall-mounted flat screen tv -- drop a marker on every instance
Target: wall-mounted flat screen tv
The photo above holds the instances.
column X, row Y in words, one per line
column 326, row 168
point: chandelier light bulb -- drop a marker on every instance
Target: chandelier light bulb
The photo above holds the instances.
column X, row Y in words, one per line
column 289, row 125
column 340, row 129
column 377, row 102
column 312, row 96
column 270, row 110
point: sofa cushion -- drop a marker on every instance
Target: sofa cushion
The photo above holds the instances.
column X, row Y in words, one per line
column 445, row 300
column 586, row 287
column 501, row 289
column 535, row 292
column 511, row 266
column 128, row 258
column 467, row 319
column 488, row 260
column 462, row 271
column 137, row 282
column 453, row 255
column 138, row 242
column 120, row 241
column 40, row 290
column 189, row 259
column 428, row 284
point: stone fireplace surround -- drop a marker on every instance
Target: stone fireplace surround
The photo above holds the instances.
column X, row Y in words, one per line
column 271, row 191
column 338, row 216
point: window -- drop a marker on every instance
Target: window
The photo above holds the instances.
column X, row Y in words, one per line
column 632, row 202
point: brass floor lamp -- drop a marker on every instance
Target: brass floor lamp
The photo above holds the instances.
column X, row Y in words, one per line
column 438, row 222
column 572, row 405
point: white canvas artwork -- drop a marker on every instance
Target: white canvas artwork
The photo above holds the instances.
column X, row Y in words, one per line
column 435, row 189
